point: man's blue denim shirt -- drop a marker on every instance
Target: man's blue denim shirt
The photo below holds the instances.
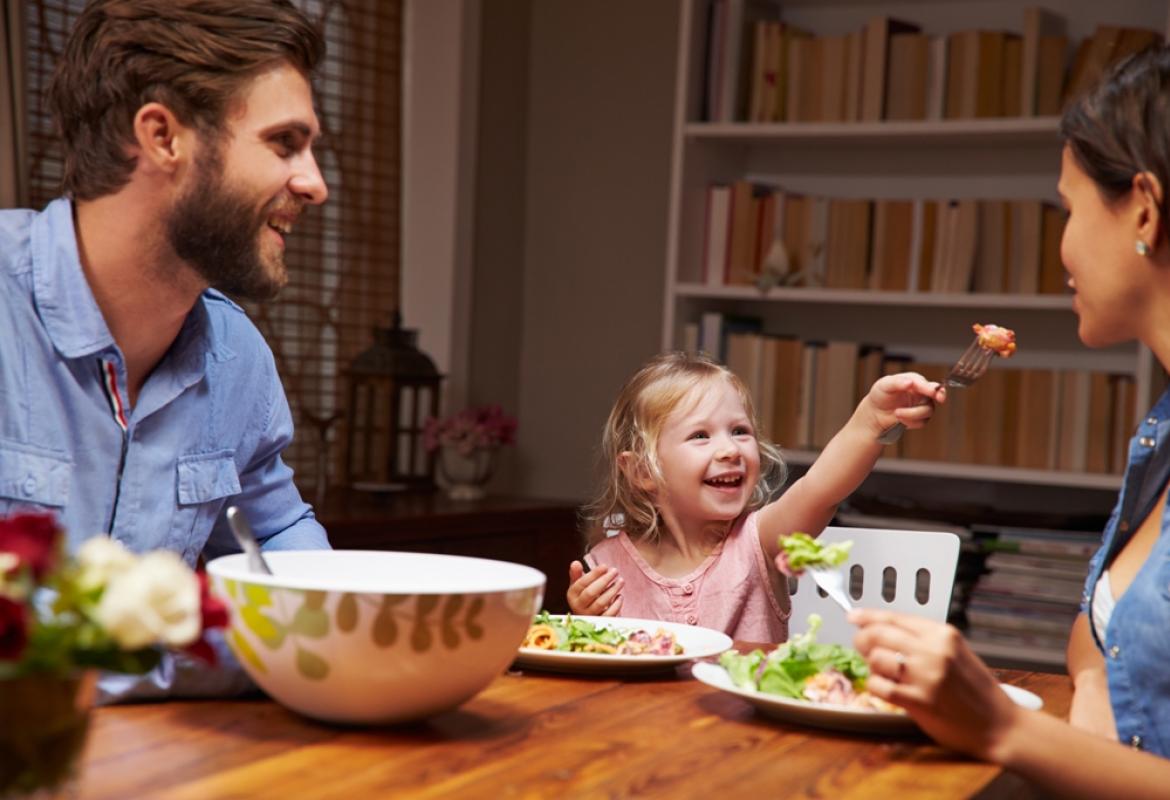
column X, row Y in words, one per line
column 1137, row 638
column 208, row 427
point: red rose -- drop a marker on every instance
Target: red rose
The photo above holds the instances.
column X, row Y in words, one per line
column 34, row 539
column 214, row 614
column 13, row 629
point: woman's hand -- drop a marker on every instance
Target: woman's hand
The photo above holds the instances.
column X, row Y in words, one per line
column 927, row 668
column 907, row 397
column 596, row 593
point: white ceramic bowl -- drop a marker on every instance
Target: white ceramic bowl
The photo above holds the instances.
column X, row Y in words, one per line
column 356, row 636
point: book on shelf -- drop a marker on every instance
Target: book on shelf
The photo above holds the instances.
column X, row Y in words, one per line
column 1041, row 419
column 760, row 68
column 925, row 245
column 909, row 76
column 876, row 50
column 1039, row 23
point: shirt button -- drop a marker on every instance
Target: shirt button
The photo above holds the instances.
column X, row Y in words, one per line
column 1146, row 441
column 1151, row 420
column 1114, row 651
column 688, row 589
column 29, row 486
column 692, row 619
column 1135, row 741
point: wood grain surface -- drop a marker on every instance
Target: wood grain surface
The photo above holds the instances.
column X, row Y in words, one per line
column 529, row 735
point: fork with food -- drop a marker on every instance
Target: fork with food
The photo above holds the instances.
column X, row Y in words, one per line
column 990, row 340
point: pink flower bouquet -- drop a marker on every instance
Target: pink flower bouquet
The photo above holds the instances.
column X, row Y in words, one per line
column 476, row 428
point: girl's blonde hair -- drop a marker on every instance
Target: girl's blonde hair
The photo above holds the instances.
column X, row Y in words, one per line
column 634, row 425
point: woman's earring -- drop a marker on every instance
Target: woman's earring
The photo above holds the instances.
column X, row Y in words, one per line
column 1142, row 248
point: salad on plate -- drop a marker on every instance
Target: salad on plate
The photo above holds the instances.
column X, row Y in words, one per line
column 575, row 635
column 802, row 669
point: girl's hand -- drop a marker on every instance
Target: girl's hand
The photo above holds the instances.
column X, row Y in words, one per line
column 907, row 397
column 596, row 593
column 927, row 668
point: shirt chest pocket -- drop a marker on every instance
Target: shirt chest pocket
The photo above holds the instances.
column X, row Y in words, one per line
column 203, row 482
column 30, row 478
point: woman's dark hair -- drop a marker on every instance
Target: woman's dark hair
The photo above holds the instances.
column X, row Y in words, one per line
column 1121, row 126
column 193, row 56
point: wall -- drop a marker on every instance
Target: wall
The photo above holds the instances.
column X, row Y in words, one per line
column 600, row 95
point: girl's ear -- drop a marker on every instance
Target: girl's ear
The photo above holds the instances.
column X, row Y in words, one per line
column 1147, row 191
column 635, row 471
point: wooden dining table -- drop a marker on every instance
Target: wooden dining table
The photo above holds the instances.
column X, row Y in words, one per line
column 531, row 734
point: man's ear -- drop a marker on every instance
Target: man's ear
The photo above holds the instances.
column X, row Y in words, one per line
column 1147, row 191
column 163, row 142
column 635, row 471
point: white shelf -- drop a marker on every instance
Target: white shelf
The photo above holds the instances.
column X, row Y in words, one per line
column 1038, row 302
column 977, row 472
column 996, row 158
column 1015, row 131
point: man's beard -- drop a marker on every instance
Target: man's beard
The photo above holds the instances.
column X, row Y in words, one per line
column 217, row 232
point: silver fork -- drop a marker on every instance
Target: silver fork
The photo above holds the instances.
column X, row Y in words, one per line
column 832, row 582
column 968, row 369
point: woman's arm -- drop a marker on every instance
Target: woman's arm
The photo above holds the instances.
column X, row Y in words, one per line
column 1090, row 709
column 809, row 504
column 956, row 700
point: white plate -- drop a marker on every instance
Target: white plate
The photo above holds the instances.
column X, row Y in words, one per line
column 696, row 643
column 823, row 715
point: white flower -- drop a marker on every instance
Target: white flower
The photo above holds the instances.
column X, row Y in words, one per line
column 156, row 600
column 101, row 559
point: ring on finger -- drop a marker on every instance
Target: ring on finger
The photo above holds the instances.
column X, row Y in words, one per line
column 900, row 661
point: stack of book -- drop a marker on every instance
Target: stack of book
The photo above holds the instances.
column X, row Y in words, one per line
column 1007, row 245
column 760, row 68
column 1022, row 607
column 1047, row 419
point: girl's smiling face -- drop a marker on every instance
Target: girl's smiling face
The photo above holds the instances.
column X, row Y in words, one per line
column 708, row 457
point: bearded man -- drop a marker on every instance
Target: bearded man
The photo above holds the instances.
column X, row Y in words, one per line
column 136, row 399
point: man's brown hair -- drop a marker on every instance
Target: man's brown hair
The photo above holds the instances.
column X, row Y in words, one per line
column 193, row 56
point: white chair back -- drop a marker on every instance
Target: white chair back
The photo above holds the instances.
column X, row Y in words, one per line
column 907, row 571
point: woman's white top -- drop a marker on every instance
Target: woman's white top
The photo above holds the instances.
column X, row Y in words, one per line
column 1102, row 606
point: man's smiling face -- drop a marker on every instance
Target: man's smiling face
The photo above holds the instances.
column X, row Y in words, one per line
column 248, row 187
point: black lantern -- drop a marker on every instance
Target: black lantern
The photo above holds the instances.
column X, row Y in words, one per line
column 393, row 387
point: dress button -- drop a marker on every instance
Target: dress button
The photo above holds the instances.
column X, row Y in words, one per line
column 1151, row 420
column 688, row 589
column 1146, row 441
column 692, row 619
column 1135, row 742
column 1114, row 651
column 29, row 486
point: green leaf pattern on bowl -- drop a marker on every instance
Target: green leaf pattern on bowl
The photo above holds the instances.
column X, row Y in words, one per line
column 271, row 625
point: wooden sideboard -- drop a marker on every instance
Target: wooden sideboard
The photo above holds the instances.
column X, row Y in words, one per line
column 540, row 533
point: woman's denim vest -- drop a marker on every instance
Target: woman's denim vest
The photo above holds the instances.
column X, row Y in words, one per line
column 1137, row 639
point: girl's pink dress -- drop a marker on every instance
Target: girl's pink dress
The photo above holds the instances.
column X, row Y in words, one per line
column 731, row 591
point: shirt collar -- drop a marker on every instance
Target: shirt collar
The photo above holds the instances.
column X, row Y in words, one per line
column 70, row 313
column 63, row 297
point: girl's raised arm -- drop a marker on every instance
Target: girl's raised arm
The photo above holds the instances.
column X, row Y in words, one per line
column 809, row 504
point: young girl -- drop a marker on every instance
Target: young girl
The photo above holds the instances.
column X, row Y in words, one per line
column 692, row 483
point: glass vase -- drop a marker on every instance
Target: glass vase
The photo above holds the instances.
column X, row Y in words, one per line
column 466, row 475
column 44, row 720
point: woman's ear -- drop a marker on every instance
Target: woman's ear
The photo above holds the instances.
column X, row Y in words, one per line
column 1147, row 191
column 636, row 471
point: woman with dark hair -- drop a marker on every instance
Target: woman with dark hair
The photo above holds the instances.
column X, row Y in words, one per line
column 1114, row 179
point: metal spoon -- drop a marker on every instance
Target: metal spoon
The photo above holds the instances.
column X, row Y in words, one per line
column 243, row 533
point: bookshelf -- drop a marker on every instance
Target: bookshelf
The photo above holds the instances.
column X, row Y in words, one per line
column 998, row 158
